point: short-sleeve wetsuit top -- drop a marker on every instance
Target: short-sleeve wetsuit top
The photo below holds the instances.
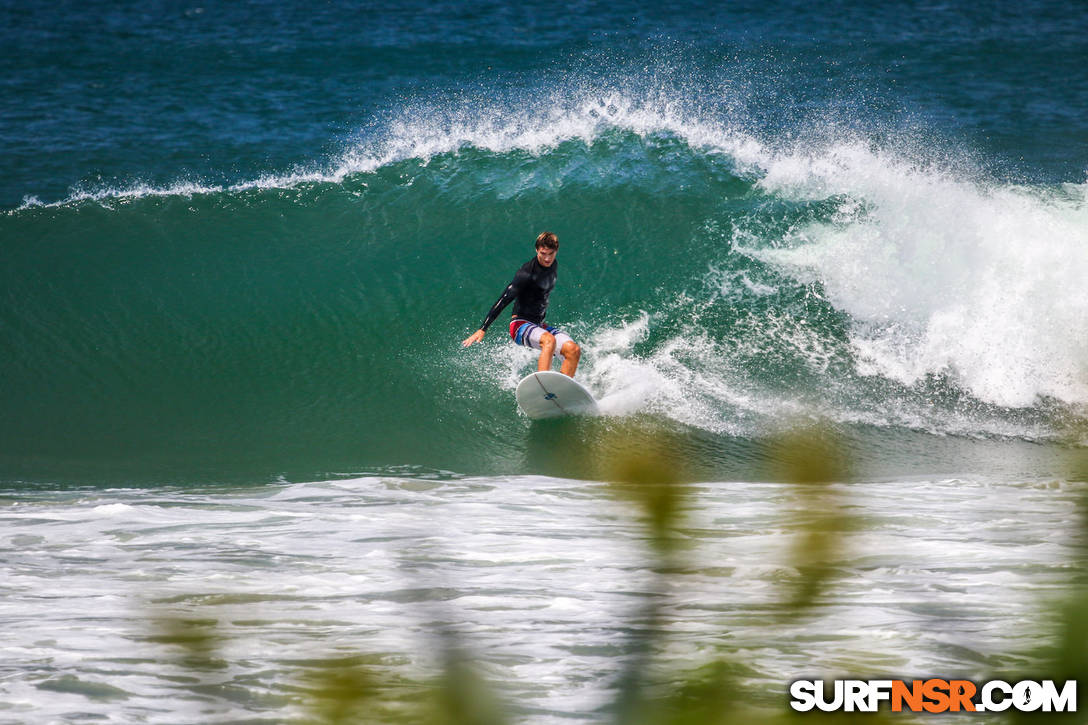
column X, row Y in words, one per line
column 529, row 290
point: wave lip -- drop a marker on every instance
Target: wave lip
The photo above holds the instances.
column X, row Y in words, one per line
column 423, row 133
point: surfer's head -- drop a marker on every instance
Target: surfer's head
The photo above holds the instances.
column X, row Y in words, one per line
column 547, row 244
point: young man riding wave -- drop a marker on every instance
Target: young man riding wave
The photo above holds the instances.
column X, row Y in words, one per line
column 529, row 291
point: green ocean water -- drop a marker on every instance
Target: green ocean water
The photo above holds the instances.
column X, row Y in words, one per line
column 243, row 243
column 311, row 328
column 320, row 321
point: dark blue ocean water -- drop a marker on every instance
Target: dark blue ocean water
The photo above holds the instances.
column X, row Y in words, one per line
column 220, row 219
column 101, row 93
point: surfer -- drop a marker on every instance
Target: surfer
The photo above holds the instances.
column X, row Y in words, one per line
column 529, row 292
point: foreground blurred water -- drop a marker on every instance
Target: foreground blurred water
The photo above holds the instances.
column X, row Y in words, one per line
column 543, row 580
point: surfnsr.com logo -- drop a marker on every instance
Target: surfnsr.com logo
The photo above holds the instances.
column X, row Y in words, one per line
column 933, row 695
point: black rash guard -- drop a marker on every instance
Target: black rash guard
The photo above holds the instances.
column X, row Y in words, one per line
column 530, row 289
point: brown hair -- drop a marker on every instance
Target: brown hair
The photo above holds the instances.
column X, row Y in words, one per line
column 547, row 240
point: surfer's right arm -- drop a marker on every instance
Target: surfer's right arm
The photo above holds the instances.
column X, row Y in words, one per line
column 508, row 295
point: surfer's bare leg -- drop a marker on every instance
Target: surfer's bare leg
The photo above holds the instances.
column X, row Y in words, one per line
column 547, row 350
column 571, row 354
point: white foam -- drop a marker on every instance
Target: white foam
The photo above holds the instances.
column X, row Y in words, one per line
column 688, row 377
column 946, row 276
column 535, row 575
column 111, row 509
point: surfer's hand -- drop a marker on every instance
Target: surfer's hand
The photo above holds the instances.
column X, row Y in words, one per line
column 473, row 338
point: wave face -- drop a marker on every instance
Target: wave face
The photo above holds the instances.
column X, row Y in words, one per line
column 760, row 222
column 713, row 281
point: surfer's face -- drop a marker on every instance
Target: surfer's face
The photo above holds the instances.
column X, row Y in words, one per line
column 546, row 256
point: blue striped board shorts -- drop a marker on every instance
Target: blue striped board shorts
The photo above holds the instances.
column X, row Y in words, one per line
column 526, row 333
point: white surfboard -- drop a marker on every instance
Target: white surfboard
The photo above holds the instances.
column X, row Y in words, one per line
column 548, row 394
